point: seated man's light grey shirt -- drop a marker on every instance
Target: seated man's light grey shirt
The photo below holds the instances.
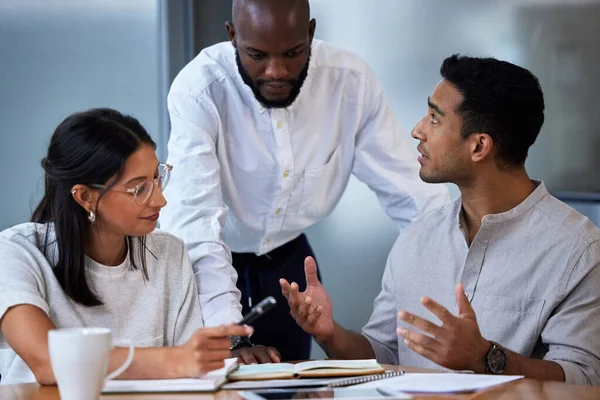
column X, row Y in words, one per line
column 532, row 275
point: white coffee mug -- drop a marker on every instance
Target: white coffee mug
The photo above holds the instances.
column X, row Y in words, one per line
column 79, row 359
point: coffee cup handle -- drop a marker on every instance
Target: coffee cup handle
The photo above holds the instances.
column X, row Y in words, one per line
column 123, row 367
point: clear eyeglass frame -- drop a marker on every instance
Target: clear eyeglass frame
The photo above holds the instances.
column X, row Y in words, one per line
column 143, row 191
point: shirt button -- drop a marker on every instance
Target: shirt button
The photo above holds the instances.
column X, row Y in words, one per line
column 277, row 211
column 267, row 241
column 279, row 124
column 261, row 109
column 286, row 173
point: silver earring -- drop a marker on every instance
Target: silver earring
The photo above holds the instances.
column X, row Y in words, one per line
column 92, row 217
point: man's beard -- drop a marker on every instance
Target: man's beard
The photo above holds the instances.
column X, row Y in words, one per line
column 255, row 86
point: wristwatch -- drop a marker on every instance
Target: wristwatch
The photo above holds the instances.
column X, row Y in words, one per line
column 495, row 360
column 238, row 342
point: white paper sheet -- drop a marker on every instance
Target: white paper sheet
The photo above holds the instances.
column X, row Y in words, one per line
column 439, row 383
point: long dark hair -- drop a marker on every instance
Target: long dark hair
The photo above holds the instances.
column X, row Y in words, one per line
column 89, row 147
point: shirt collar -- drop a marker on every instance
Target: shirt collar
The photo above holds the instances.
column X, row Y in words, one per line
column 261, row 109
column 531, row 201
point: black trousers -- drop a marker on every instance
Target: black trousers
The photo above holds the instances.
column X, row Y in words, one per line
column 258, row 277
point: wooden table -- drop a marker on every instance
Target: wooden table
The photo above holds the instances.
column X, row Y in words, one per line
column 522, row 389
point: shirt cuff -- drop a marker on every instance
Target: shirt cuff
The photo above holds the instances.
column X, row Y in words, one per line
column 383, row 354
column 223, row 316
column 573, row 373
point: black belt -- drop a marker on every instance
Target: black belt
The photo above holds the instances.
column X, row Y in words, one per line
column 275, row 255
column 243, row 262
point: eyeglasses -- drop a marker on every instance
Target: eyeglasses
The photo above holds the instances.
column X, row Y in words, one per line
column 142, row 192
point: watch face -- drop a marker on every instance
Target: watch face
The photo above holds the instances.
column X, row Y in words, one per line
column 497, row 361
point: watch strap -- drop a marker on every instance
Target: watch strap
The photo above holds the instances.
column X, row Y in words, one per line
column 238, row 342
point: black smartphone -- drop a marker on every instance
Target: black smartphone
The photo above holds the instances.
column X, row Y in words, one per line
column 258, row 310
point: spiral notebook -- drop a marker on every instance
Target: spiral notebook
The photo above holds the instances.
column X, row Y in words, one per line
column 364, row 379
column 304, row 383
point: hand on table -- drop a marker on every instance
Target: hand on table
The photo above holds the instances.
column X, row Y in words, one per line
column 257, row 355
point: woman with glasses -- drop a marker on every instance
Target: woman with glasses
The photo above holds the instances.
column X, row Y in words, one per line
column 91, row 258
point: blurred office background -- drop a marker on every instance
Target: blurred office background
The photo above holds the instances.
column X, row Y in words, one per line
column 61, row 56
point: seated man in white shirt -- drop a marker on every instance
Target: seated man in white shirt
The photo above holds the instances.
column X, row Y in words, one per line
column 268, row 128
column 506, row 278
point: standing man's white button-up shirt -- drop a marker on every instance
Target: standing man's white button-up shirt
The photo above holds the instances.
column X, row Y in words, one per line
column 250, row 179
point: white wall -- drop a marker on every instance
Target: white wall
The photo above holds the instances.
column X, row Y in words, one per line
column 62, row 56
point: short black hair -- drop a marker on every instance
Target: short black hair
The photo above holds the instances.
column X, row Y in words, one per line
column 500, row 99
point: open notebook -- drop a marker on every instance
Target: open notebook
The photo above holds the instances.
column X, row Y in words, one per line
column 210, row 382
column 307, row 369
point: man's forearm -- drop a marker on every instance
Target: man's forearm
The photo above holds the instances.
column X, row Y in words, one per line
column 532, row 368
column 518, row 364
column 346, row 344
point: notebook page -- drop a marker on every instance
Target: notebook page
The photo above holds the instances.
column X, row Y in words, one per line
column 258, row 369
column 346, row 364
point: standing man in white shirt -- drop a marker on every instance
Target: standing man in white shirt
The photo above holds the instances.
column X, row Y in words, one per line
column 267, row 129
